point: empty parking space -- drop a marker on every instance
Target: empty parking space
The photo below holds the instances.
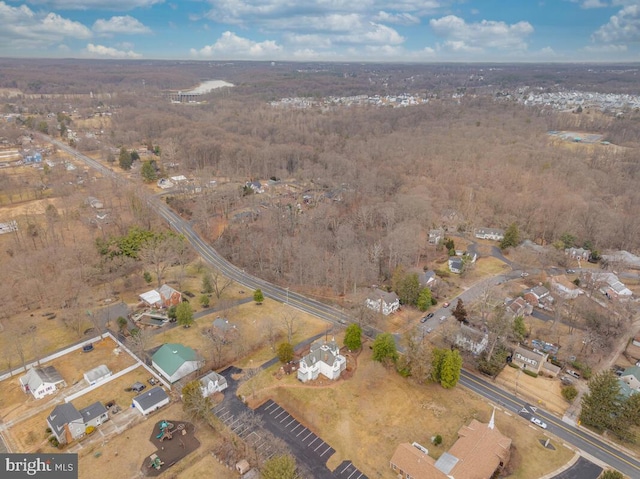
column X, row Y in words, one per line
column 346, row 470
column 295, row 432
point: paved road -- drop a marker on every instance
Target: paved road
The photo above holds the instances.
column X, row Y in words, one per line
column 582, row 469
column 575, row 436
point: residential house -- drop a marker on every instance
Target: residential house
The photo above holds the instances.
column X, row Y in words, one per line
column 518, row 307
column 42, row 381
column 607, row 283
column 382, row 302
column 163, row 297
column 495, row 234
column 8, row 227
column 324, row 358
column 169, row 296
column 436, row 236
column 631, row 377
column 471, row 339
column 212, row 383
column 97, row 374
column 538, row 296
column 151, row 400
column 175, row 361
column 479, row 453
column 427, row 279
column 636, row 340
column 32, row 157
column 94, row 414
column 566, row 289
column 66, row 423
column 456, row 265
column 626, row 391
column 256, row 186
column 578, row 253
column 529, row 360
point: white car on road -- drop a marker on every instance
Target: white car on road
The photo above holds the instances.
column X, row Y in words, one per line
column 538, row 422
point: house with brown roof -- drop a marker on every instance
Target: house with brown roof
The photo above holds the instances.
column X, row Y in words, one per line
column 479, row 452
column 518, row 307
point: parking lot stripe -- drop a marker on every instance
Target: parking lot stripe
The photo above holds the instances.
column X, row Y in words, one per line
column 354, row 473
column 303, row 430
column 285, row 418
column 297, row 426
column 283, row 412
column 289, row 423
column 305, row 438
column 319, row 446
column 275, row 410
column 269, row 406
column 345, row 468
column 326, row 450
column 309, row 445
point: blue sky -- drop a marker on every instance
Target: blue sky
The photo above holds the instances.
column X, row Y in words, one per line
column 324, row 30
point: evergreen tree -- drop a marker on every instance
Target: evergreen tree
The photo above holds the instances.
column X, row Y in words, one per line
column 602, row 407
column 450, row 368
column 519, row 328
column 437, row 358
column 459, row 312
column 384, row 348
column 611, row 474
column 124, row 160
column 184, row 314
column 148, row 171
column 425, row 299
column 258, row 297
column 285, row 352
column 511, row 237
column 353, row 337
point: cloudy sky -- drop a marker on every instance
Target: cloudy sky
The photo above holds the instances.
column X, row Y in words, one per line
column 324, row 30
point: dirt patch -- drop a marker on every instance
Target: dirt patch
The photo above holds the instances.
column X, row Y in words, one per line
column 173, row 440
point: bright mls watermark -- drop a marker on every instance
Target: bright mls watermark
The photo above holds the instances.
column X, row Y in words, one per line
column 48, row 466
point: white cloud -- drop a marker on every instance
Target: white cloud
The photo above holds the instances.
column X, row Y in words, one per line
column 96, row 4
column 396, row 18
column 624, row 26
column 594, row 4
column 125, row 25
column 102, row 51
column 230, row 45
column 476, row 37
column 22, row 27
column 611, row 48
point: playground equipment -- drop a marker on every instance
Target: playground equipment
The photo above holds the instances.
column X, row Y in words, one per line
column 167, row 430
column 156, row 463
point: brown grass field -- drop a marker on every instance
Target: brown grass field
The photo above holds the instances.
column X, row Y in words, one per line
column 366, row 417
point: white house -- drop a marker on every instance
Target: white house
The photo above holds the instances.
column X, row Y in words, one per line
column 578, row 253
column 97, row 374
column 42, row 381
column 471, row 339
column 212, row 383
column 175, row 361
column 456, row 265
column 94, row 415
column 435, row 236
column 151, row 400
column 383, row 302
column 489, row 233
column 324, row 358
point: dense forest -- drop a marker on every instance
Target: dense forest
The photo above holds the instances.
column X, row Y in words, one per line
column 380, row 177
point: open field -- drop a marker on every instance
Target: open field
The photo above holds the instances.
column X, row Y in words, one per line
column 251, row 320
column 366, row 417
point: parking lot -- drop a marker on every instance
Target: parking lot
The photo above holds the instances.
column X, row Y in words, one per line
column 305, row 443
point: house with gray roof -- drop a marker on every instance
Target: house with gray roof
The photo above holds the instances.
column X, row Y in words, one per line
column 212, row 383
column 323, row 358
column 631, row 377
column 94, row 414
column 382, row 302
column 66, row 423
column 427, row 279
column 456, row 265
column 175, row 361
column 41, row 382
column 471, row 339
column 151, row 400
column 529, row 360
column 538, row 296
column 495, row 234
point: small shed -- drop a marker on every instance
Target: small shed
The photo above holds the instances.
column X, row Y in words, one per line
column 243, row 466
column 97, row 374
